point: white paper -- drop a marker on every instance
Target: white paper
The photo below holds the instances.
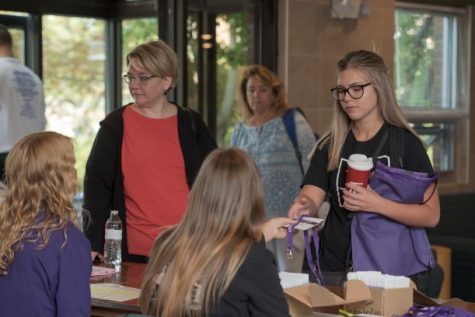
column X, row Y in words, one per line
column 99, row 271
column 113, row 292
column 307, row 223
column 288, row 279
column 377, row 279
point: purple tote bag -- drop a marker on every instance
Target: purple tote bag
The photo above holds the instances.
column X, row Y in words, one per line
column 382, row 244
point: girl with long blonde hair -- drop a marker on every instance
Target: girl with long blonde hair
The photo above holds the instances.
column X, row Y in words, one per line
column 45, row 261
column 365, row 113
column 214, row 262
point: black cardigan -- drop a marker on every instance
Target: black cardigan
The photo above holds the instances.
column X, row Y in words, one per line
column 103, row 181
column 255, row 290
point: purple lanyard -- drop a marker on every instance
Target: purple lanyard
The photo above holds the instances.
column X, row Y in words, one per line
column 315, row 267
column 290, row 237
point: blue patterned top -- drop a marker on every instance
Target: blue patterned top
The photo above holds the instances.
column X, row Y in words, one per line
column 272, row 150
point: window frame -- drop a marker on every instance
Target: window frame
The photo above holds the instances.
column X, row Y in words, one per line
column 459, row 114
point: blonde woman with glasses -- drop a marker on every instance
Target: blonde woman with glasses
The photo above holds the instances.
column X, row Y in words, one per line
column 145, row 156
column 45, row 261
column 215, row 262
column 365, row 109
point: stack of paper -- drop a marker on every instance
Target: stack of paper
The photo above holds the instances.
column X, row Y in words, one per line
column 288, row 279
column 113, row 292
column 377, row 279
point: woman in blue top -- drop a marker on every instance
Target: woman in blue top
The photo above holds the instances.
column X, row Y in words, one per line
column 262, row 134
column 45, row 260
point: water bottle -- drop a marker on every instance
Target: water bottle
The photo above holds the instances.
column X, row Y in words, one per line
column 113, row 240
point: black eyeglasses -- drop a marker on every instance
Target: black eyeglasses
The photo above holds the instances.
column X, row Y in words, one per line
column 142, row 79
column 355, row 91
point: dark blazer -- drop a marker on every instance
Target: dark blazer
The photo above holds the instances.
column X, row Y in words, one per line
column 255, row 290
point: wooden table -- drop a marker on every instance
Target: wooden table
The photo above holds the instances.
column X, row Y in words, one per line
column 131, row 274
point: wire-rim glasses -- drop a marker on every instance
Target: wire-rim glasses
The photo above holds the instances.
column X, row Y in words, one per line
column 142, row 79
column 354, row 91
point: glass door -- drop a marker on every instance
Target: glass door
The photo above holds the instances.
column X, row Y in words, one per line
column 219, row 45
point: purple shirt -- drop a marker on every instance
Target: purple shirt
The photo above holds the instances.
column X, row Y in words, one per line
column 53, row 281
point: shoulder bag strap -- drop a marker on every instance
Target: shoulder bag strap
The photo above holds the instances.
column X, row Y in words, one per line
column 396, row 146
column 379, row 148
column 289, row 123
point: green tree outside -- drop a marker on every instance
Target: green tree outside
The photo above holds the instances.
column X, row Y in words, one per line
column 74, row 72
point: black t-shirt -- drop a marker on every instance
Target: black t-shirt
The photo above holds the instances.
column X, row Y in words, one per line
column 335, row 238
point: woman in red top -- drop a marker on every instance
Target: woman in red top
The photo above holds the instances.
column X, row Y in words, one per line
column 145, row 156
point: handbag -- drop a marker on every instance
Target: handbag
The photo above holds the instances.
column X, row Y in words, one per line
column 382, row 244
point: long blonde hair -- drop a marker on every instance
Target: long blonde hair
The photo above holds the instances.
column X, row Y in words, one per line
column 371, row 66
column 269, row 78
column 206, row 249
column 41, row 182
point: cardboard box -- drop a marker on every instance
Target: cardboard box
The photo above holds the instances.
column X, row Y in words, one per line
column 422, row 300
column 312, row 300
column 385, row 302
column 304, row 300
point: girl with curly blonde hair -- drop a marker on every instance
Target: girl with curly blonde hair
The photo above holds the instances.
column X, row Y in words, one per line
column 45, row 261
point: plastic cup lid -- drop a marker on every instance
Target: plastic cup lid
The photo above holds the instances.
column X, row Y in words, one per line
column 360, row 162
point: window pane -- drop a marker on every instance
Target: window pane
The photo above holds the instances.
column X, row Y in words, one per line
column 426, row 58
column 430, row 77
column 13, row 13
column 193, row 56
column 234, row 51
column 135, row 32
column 74, row 80
column 18, row 37
column 439, row 140
column 17, row 32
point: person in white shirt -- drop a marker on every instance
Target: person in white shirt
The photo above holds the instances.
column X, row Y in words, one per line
column 22, row 102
